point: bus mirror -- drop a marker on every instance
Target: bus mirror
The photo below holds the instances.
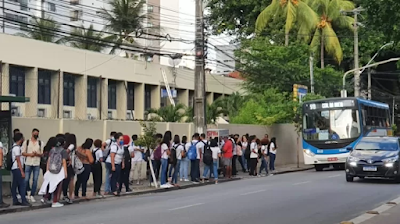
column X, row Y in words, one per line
column 349, row 149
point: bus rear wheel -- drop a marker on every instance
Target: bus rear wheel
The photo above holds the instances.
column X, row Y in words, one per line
column 319, row 168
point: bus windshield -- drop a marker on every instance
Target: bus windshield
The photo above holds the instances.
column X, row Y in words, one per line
column 331, row 124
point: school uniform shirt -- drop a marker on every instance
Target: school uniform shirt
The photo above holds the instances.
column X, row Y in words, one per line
column 32, row 147
column 272, row 148
column 244, row 145
column 98, row 154
column 138, row 154
column 119, row 154
column 164, row 149
column 199, row 148
column 179, row 148
column 264, row 149
column 16, row 151
column 151, row 154
column 187, row 146
column 253, row 147
column 215, row 152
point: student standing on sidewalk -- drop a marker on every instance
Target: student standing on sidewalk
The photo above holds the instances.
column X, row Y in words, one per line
column 85, row 155
column 115, row 161
column 216, row 154
column 253, row 155
column 97, row 169
column 165, row 152
column 245, row 161
column 137, row 160
column 32, row 151
column 227, row 156
column 126, row 169
column 183, row 171
column 18, row 174
column 272, row 154
column 195, row 164
column 69, row 182
column 179, row 149
column 2, row 204
column 106, row 146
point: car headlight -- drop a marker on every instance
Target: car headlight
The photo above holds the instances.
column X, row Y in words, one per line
column 308, row 152
column 352, row 159
column 391, row 159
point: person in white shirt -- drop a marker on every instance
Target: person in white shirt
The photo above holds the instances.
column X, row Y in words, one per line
column 179, row 148
column 195, row 164
column 165, row 152
column 97, row 170
column 272, row 154
column 216, row 154
column 106, row 152
column 253, row 155
column 183, row 172
column 115, row 160
column 245, row 161
column 137, row 160
column 18, row 174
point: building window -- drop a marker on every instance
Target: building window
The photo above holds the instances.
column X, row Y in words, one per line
column 147, row 97
column 149, row 24
column 44, row 86
column 69, row 90
column 92, row 92
column 131, row 97
column 23, row 20
column 150, row 8
column 75, row 15
column 112, row 94
column 23, row 5
column 51, row 6
column 17, row 80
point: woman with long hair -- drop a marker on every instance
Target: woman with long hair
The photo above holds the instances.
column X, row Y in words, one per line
column 179, row 150
column 84, row 153
column 264, row 155
column 68, row 183
column 245, row 161
column 46, row 150
column 272, row 154
column 183, row 172
column 253, row 155
column 97, row 169
column 168, row 135
column 165, row 152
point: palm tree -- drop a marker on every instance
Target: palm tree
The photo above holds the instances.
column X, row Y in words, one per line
column 330, row 16
column 291, row 10
column 88, row 38
column 45, row 29
column 124, row 18
column 213, row 111
column 169, row 113
column 231, row 104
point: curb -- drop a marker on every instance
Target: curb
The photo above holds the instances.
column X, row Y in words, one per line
column 293, row 171
column 374, row 212
column 152, row 191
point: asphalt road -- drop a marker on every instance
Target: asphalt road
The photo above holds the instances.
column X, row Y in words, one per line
column 298, row 198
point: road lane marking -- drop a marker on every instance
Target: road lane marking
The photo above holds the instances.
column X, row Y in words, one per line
column 187, row 206
column 338, row 175
column 252, row 192
column 300, row 183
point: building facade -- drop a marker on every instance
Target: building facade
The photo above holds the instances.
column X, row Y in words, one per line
column 65, row 82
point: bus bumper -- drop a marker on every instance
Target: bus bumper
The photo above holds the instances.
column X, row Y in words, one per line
column 311, row 159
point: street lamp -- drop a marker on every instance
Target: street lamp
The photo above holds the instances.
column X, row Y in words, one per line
column 344, row 92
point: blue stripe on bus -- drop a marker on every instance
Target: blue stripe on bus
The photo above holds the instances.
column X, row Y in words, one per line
column 373, row 103
column 317, row 151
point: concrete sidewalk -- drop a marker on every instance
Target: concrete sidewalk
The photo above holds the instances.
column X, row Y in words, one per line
column 145, row 188
column 391, row 216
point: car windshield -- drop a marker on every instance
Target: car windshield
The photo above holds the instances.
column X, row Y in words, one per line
column 331, row 125
column 375, row 145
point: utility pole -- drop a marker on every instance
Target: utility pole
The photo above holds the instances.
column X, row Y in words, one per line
column 4, row 17
column 393, row 107
column 356, row 63
column 369, row 84
column 312, row 72
column 199, row 76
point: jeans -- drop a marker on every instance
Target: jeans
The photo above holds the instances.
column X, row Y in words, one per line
column 164, row 165
column 82, row 179
column 214, row 170
column 240, row 158
column 272, row 158
column 244, row 160
column 171, row 168
column 194, row 169
column 97, row 174
column 35, row 170
column 114, row 176
column 18, row 182
column 184, row 169
column 264, row 164
column 176, row 170
column 107, row 184
column 124, row 176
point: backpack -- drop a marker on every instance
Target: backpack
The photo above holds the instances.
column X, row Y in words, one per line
column 44, row 158
column 207, row 157
column 157, row 153
column 77, row 164
column 55, row 161
column 94, row 156
column 127, row 155
column 107, row 150
column 172, row 157
column 192, row 153
column 9, row 161
column 247, row 152
column 184, row 153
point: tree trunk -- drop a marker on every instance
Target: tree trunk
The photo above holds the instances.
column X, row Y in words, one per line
column 286, row 39
column 322, row 52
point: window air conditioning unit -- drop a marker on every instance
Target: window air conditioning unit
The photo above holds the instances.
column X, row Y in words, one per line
column 110, row 115
column 41, row 112
column 90, row 117
column 129, row 116
column 15, row 111
column 67, row 114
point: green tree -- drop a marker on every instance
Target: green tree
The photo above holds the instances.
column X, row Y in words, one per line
column 45, row 29
column 213, row 111
column 292, row 10
column 325, row 37
column 147, row 138
column 169, row 113
column 231, row 104
column 124, row 18
column 88, row 38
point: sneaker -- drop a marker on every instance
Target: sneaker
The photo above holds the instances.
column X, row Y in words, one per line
column 186, row 180
column 27, row 204
column 17, row 203
column 68, row 200
column 32, row 199
column 56, row 205
column 181, row 180
column 164, row 186
column 128, row 190
column 44, row 201
column 18, row 197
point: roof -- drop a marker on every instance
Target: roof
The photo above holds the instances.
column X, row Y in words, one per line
column 236, row 75
column 380, row 139
column 14, row 99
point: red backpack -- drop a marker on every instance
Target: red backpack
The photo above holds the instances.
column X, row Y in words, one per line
column 157, row 153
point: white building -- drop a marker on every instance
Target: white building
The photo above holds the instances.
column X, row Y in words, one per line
column 223, row 57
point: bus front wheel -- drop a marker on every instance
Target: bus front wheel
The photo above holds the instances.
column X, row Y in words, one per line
column 319, row 168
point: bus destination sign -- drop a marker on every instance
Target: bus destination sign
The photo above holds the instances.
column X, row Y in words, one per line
column 328, row 105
